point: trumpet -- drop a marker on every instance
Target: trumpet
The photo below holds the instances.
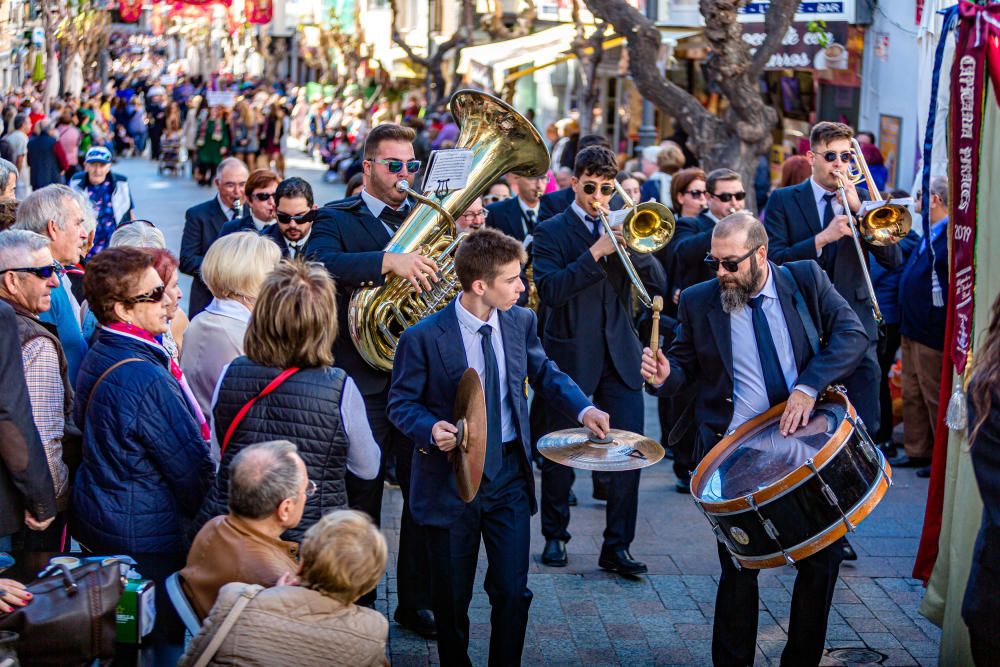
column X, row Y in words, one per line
column 647, row 228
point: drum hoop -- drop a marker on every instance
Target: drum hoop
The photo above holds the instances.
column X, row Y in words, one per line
column 793, row 478
column 860, row 511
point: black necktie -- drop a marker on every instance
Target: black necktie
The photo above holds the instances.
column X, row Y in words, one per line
column 494, row 438
column 235, row 214
column 393, row 218
column 529, row 221
column 294, row 249
column 830, row 252
column 774, row 378
column 595, row 230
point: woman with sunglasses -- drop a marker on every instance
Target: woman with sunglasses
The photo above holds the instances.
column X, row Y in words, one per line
column 146, row 464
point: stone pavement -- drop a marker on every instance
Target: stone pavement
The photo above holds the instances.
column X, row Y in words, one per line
column 583, row 616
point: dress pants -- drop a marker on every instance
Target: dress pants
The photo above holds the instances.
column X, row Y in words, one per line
column 921, row 395
column 626, row 409
column 863, row 388
column 734, row 629
column 366, row 495
column 500, row 515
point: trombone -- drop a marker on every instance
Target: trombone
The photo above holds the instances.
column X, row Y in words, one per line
column 647, row 228
column 883, row 225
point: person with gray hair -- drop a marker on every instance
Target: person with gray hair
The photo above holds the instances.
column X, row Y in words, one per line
column 268, row 486
column 742, row 347
column 46, row 156
column 137, row 234
column 17, row 144
column 28, row 274
column 55, row 212
column 8, row 180
column 921, row 329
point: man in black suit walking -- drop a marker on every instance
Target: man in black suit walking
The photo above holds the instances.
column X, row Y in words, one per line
column 203, row 224
column 589, row 333
column 743, row 338
column 349, row 237
column 295, row 211
column 517, row 216
column 807, row 221
column 558, row 201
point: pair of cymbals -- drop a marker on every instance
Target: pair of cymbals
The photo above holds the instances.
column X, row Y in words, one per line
column 619, row 450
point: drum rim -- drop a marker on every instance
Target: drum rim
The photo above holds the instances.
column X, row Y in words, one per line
column 858, row 513
column 793, row 478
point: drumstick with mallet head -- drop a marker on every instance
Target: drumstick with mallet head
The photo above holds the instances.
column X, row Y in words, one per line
column 654, row 336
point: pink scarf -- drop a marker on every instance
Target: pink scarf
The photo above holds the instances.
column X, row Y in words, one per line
column 126, row 329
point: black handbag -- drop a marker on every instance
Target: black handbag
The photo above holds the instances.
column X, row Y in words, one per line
column 71, row 617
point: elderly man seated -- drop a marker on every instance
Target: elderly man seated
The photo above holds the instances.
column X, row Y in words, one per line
column 268, row 485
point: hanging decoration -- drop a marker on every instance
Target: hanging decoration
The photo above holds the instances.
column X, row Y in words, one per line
column 130, row 10
column 259, row 11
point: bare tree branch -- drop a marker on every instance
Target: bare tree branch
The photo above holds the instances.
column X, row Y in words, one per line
column 776, row 23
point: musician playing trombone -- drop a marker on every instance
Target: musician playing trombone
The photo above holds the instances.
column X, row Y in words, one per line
column 588, row 331
column 808, row 221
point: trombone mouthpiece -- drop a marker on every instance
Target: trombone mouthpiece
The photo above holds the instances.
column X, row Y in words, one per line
column 401, row 185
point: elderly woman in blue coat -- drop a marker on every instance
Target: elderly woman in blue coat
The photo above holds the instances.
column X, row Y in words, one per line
column 146, row 465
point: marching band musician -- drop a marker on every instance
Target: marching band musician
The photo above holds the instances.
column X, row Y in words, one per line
column 744, row 344
column 348, row 236
column 481, row 329
column 588, row 331
column 517, row 216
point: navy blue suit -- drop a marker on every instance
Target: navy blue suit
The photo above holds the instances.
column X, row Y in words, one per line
column 430, row 361
column 920, row 320
column 244, row 224
column 692, row 241
column 703, row 352
column 588, row 331
column 202, row 225
column 554, row 203
column 792, row 223
column 508, row 217
column 349, row 241
column 273, row 232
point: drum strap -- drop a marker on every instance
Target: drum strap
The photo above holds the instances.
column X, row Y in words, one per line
column 800, row 306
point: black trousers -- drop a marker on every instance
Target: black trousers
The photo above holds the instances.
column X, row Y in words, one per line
column 626, row 409
column 500, row 516
column 863, row 388
column 886, row 358
column 413, row 559
column 734, row 630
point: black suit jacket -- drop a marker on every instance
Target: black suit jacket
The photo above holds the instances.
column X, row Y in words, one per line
column 508, row 217
column 202, row 225
column 349, row 241
column 692, row 241
column 702, row 352
column 792, row 223
column 554, row 203
column 273, row 232
column 588, row 303
column 244, row 224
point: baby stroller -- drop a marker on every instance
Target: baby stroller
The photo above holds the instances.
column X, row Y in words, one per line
column 170, row 153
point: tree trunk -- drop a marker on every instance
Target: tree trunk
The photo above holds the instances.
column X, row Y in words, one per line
column 437, row 84
column 742, row 132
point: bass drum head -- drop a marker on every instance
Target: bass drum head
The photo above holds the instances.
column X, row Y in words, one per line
column 765, row 456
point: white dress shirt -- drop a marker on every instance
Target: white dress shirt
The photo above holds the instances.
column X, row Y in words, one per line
column 749, row 392
column 583, row 218
column 301, row 243
column 230, row 212
column 524, row 218
column 259, row 224
column 469, row 326
column 376, row 206
column 818, row 193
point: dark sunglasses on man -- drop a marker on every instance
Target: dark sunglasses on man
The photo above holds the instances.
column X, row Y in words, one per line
column 263, row 196
column 831, row 156
column 396, row 166
column 154, row 295
column 287, row 219
column 607, row 189
column 43, row 272
column 726, row 197
column 730, row 265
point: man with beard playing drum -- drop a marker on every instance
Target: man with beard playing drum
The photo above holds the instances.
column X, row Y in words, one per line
column 743, row 337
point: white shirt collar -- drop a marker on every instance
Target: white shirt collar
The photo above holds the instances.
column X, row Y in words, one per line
column 819, row 191
column 229, row 308
column 711, row 216
column 525, row 208
column 583, row 215
column 259, row 224
column 301, row 242
column 375, row 205
column 472, row 323
column 228, row 210
column 770, row 291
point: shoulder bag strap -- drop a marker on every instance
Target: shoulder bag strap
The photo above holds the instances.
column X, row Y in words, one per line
column 105, row 374
column 220, row 635
column 274, row 384
column 800, row 306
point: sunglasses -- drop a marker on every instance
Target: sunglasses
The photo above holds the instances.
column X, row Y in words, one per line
column 606, row 189
column 263, row 196
column 730, row 265
column 396, row 166
column 303, row 218
column 831, row 156
column 490, row 199
column 727, row 197
column 43, row 272
column 697, row 194
column 154, row 295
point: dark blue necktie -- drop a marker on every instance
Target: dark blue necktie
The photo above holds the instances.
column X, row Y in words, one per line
column 494, row 441
column 830, row 251
column 774, row 379
column 595, row 230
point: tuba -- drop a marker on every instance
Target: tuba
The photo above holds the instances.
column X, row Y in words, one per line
column 501, row 141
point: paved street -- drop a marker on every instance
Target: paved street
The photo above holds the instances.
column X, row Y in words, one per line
column 581, row 615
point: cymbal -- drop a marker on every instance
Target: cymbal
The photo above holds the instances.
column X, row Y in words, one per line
column 580, row 448
column 469, row 456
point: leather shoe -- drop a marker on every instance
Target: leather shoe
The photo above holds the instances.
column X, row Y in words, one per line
column 849, row 552
column 554, row 554
column 924, row 473
column 420, row 621
column 571, row 501
column 621, row 561
column 904, row 461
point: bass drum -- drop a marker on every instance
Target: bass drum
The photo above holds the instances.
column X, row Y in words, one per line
column 774, row 500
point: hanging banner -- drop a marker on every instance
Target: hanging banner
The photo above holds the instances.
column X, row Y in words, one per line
column 130, row 10
column 967, row 89
column 259, row 11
